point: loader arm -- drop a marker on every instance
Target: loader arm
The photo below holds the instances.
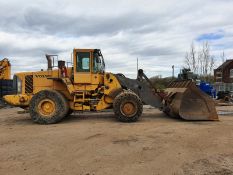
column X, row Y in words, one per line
column 143, row 87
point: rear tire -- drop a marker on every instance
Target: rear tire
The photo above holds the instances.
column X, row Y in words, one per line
column 48, row 107
column 127, row 107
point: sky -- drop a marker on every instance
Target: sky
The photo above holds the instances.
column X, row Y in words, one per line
column 158, row 33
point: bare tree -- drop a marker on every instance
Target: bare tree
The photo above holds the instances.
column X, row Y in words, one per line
column 223, row 57
column 187, row 61
column 212, row 64
column 200, row 61
column 206, row 57
column 191, row 59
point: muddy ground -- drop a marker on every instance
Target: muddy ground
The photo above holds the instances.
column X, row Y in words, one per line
column 98, row 144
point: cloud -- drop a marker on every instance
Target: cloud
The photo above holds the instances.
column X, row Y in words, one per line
column 155, row 51
column 157, row 32
column 36, row 19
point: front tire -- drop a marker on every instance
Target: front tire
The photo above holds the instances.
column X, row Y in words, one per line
column 127, row 106
column 48, row 107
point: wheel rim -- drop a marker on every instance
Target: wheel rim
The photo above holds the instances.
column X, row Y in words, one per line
column 46, row 107
column 129, row 109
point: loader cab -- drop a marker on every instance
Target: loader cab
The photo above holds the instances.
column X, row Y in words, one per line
column 89, row 66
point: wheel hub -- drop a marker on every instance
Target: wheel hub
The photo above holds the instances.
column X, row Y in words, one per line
column 46, row 107
column 128, row 109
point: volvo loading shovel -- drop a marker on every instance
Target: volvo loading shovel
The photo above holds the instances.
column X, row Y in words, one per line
column 52, row 94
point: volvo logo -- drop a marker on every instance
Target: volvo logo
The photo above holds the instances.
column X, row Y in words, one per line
column 42, row 76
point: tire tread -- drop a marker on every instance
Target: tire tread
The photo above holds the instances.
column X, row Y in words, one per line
column 62, row 107
column 127, row 95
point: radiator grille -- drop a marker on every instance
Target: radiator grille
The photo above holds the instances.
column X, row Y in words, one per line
column 29, row 84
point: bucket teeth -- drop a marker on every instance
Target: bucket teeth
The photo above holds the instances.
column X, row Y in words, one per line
column 188, row 102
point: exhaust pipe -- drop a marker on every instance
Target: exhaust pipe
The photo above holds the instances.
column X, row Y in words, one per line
column 48, row 57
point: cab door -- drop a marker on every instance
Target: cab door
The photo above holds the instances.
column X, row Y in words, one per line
column 82, row 67
column 97, row 68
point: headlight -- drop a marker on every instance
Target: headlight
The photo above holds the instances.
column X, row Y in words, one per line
column 19, row 86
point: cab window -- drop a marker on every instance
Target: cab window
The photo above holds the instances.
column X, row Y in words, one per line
column 83, row 62
column 98, row 63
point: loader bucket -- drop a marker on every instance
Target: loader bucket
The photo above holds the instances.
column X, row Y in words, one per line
column 185, row 100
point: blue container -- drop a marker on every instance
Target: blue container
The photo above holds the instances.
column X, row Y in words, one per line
column 207, row 88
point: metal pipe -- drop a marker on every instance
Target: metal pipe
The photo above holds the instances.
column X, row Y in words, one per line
column 49, row 61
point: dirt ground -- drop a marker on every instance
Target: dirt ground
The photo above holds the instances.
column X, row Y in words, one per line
column 89, row 144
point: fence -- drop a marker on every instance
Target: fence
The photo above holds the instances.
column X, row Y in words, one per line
column 223, row 87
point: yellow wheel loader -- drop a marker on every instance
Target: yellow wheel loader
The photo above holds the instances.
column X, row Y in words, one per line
column 5, row 69
column 6, row 84
column 54, row 93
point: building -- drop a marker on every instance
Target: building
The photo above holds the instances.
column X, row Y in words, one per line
column 223, row 76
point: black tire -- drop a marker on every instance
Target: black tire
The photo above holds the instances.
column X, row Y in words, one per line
column 59, row 110
column 120, row 109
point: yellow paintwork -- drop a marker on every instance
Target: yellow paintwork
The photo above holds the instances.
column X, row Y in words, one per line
column 103, row 104
column 113, row 84
column 80, row 92
column 18, row 100
column 46, row 107
column 5, row 69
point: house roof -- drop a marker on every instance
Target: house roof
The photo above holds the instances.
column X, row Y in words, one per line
column 225, row 64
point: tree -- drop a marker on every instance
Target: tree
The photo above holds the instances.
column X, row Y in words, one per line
column 212, row 64
column 223, row 57
column 200, row 62
column 187, row 61
column 191, row 59
column 206, row 57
